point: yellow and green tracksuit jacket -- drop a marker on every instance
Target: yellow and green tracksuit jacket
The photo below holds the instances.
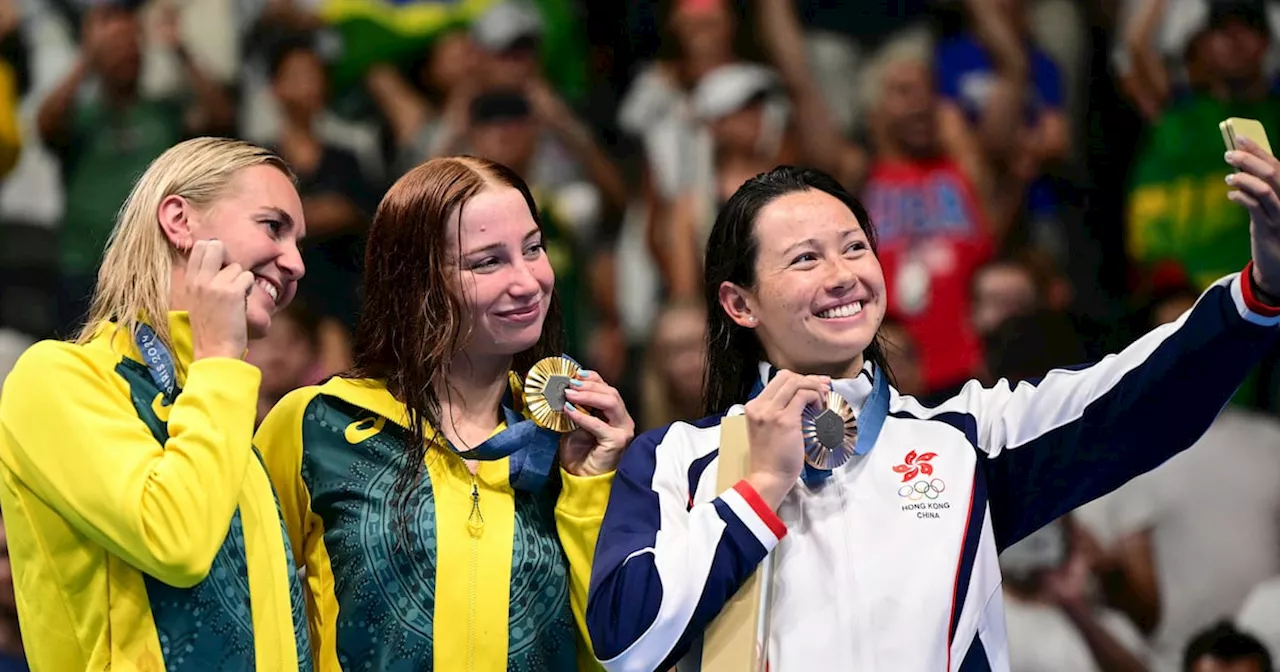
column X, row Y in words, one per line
column 487, row 577
column 143, row 531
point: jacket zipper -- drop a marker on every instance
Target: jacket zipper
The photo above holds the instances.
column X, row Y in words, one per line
column 475, row 526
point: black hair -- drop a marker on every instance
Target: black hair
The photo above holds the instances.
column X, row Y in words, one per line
column 286, row 45
column 1228, row 644
column 733, row 352
column 499, row 105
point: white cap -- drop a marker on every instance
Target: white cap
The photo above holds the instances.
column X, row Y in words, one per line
column 729, row 87
column 1045, row 548
column 503, row 24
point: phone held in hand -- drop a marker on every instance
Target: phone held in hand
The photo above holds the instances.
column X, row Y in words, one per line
column 1235, row 128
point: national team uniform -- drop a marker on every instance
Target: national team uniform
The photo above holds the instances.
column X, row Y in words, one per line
column 143, row 530
column 891, row 562
column 486, row 574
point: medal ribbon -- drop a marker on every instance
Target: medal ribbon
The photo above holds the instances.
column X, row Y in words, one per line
column 870, row 421
column 532, row 449
column 158, row 359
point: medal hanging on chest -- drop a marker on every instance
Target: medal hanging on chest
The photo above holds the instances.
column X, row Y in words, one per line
column 830, row 432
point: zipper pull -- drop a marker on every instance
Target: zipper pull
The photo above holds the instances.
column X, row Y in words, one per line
column 475, row 521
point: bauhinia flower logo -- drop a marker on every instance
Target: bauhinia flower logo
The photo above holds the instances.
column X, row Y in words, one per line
column 915, row 465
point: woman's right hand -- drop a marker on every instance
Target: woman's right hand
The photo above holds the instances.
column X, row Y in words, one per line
column 217, row 299
column 773, row 429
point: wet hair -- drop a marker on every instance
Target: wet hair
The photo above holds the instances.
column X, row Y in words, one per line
column 734, row 352
column 416, row 318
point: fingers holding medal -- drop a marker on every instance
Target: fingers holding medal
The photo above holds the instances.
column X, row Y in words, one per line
column 558, row 394
column 830, row 432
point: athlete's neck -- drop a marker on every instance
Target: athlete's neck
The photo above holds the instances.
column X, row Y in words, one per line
column 473, row 388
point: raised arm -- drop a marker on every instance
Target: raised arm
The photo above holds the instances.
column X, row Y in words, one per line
column 820, row 138
column 664, row 567
column 74, row 438
column 1054, row 444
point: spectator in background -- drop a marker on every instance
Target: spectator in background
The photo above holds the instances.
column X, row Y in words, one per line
column 1024, row 347
column 288, row 355
column 1223, row 648
column 415, row 110
column 1175, row 207
column 993, row 79
column 697, row 37
column 934, row 227
column 1052, row 622
column 674, row 365
column 337, row 199
column 105, row 137
column 1183, row 545
column 757, row 118
column 1003, row 289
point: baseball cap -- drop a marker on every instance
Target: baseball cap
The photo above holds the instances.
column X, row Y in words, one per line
column 729, row 88
column 506, row 26
column 1045, row 548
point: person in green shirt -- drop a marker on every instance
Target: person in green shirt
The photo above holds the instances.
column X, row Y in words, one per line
column 106, row 136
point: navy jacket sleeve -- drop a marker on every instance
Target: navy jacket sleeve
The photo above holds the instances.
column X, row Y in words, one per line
column 1077, row 434
column 664, row 566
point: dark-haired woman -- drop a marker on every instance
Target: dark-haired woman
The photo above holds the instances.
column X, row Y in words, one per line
column 891, row 559
column 435, row 529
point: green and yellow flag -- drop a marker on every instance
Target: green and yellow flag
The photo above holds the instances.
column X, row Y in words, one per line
column 398, row 31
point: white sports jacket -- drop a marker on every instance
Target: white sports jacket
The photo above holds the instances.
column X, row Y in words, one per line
column 891, row 564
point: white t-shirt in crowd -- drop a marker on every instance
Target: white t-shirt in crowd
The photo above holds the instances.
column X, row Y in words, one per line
column 1215, row 515
column 1260, row 615
column 1043, row 639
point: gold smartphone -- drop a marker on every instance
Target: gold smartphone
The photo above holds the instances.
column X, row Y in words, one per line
column 1237, row 127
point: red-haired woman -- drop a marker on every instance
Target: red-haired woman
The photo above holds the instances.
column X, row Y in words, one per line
column 417, row 555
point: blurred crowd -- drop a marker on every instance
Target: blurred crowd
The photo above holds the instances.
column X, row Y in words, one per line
column 1045, row 178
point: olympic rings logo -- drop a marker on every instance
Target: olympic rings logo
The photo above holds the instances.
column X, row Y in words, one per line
column 922, row 489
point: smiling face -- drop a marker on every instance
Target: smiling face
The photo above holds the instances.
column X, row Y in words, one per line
column 505, row 276
column 819, row 295
column 259, row 221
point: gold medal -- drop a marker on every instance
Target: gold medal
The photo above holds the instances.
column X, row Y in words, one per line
column 544, row 390
column 830, row 433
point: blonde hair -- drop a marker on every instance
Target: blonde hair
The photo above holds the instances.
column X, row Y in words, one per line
column 133, row 281
column 911, row 45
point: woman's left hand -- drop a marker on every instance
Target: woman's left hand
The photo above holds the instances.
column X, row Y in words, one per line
column 596, row 446
column 1257, row 188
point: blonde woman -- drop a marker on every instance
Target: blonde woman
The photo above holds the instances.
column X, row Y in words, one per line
column 143, row 531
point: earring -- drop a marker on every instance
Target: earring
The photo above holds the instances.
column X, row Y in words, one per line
column 751, row 319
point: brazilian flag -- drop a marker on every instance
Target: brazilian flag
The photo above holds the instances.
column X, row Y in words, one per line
column 399, row 31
